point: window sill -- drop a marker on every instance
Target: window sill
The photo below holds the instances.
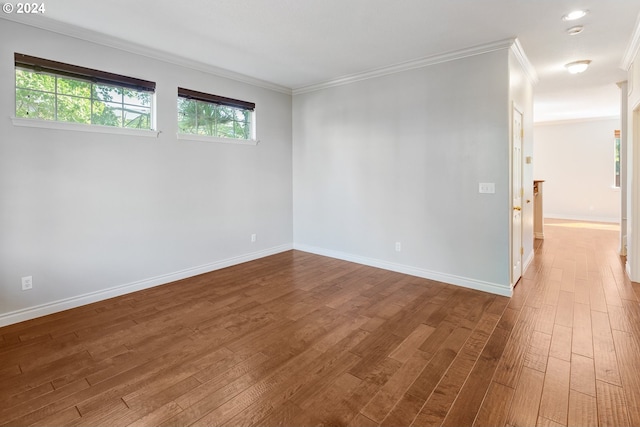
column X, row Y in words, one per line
column 81, row 127
column 206, row 138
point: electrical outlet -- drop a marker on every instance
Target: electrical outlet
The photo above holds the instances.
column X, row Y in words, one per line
column 253, row 238
column 398, row 247
column 27, row 283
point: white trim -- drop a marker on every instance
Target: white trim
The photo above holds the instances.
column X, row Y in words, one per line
column 583, row 218
column 409, row 65
column 207, row 138
column 633, row 202
column 632, row 48
column 515, row 108
column 526, row 65
column 79, row 300
column 466, row 282
column 81, row 127
column 538, row 235
column 42, row 22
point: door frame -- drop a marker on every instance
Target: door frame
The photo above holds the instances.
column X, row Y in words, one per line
column 512, row 233
column 633, row 200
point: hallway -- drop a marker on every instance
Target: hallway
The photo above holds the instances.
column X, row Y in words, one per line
column 573, row 356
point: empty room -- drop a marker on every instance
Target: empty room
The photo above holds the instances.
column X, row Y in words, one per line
column 308, row 213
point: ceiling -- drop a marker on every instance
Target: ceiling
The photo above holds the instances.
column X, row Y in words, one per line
column 297, row 43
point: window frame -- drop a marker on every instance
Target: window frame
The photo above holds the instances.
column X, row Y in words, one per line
column 617, row 141
column 89, row 75
column 218, row 101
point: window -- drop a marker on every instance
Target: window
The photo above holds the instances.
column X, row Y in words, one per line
column 216, row 116
column 50, row 90
column 616, row 158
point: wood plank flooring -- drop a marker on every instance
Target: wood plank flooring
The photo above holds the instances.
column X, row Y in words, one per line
column 297, row 339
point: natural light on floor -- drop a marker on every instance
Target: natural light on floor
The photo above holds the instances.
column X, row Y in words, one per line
column 576, row 224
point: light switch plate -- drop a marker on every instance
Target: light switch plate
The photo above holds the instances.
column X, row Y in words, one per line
column 487, row 187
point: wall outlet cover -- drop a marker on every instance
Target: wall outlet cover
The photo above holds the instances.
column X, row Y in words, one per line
column 487, row 187
column 27, row 283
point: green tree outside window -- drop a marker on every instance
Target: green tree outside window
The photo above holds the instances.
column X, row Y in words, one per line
column 47, row 96
column 197, row 117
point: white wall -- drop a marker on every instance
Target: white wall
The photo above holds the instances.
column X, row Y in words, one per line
column 84, row 213
column 576, row 161
column 398, row 158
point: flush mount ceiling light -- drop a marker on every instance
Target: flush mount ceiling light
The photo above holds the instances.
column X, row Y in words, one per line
column 575, row 30
column 577, row 66
column 576, row 14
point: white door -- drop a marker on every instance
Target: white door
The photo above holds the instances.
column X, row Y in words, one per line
column 516, row 204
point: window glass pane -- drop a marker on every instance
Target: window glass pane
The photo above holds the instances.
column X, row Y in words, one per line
column 242, row 115
column 74, row 87
column 105, row 114
column 242, row 130
column 34, row 104
column 107, row 93
column 38, row 81
column 207, row 118
column 186, row 115
column 225, row 127
column 74, row 109
column 136, row 117
column 226, row 113
column 133, row 97
column 225, row 130
column 116, row 109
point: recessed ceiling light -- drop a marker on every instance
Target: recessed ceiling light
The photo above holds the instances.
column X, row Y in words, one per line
column 576, row 14
column 575, row 30
column 577, row 66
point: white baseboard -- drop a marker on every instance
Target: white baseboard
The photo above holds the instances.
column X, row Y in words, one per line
column 538, row 235
column 583, row 218
column 79, row 300
column 412, row 271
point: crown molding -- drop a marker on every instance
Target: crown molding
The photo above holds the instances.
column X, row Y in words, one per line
column 48, row 24
column 522, row 58
column 44, row 23
column 632, row 48
column 409, row 65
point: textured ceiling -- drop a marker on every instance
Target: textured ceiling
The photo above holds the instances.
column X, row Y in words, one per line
column 296, row 43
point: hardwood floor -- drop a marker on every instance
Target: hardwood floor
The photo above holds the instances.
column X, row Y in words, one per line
column 297, row 339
